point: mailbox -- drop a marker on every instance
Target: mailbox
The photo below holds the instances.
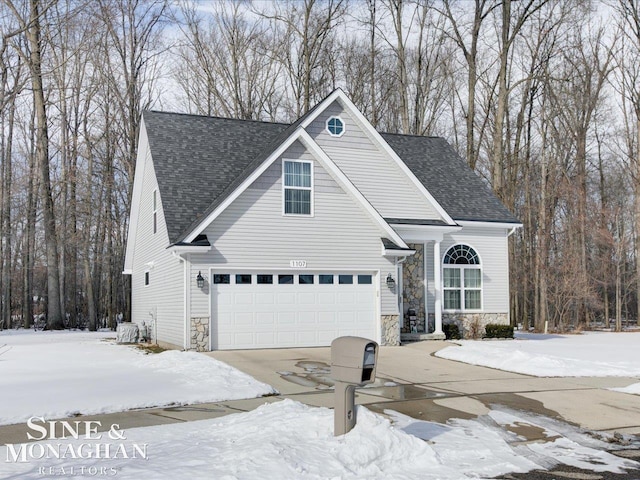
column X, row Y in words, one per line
column 353, row 362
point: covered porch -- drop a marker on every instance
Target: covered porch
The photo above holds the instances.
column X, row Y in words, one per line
column 419, row 280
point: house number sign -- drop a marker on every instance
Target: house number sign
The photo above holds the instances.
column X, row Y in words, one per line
column 298, row 263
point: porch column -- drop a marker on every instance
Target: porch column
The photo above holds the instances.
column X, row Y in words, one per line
column 425, row 281
column 437, row 281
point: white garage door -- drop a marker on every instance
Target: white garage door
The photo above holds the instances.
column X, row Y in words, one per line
column 273, row 310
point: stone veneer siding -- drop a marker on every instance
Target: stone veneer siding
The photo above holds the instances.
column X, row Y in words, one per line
column 390, row 331
column 200, row 334
column 413, row 287
column 468, row 322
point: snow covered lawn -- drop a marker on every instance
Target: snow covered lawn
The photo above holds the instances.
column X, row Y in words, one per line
column 58, row 374
column 289, row 440
column 592, row 354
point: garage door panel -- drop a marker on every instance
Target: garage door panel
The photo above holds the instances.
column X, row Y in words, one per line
column 253, row 315
column 265, row 318
column 347, row 318
column 347, row 298
column 286, row 338
column 326, row 318
column 307, row 338
column 326, row 298
column 225, row 298
column 326, row 337
column 286, row 318
column 265, row 338
column 244, row 318
column 244, row 338
column 288, row 298
column 265, row 298
column 307, row 299
column 243, row 298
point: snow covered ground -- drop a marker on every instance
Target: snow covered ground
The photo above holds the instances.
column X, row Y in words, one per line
column 289, row 440
column 53, row 374
column 58, row 374
column 592, row 354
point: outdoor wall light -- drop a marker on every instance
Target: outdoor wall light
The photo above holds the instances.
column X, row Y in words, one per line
column 200, row 280
column 391, row 283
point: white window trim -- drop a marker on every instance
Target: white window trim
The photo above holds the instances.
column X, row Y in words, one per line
column 310, row 189
column 462, row 288
column 344, row 126
column 154, row 213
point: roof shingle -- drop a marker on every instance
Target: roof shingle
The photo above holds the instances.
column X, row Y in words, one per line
column 200, row 160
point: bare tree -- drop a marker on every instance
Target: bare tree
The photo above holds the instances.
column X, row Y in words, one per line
column 308, row 30
column 482, row 8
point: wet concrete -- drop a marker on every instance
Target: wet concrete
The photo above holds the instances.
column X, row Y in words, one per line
column 402, row 392
column 517, row 402
column 530, row 433
column 314, row 375
column 422, row 409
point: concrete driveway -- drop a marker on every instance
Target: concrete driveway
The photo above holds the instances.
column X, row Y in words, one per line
column 411, row 380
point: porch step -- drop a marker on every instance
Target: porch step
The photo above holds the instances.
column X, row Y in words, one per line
column 416, row 337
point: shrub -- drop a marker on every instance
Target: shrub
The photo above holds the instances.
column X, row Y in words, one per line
column 493, row 330
column 451, row 331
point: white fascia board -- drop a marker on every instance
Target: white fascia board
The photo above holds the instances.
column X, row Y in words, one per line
column 397, row 253
column 338, row 93
column 424, row 233
column 243, row 186
column 349, row 187
column 347, row 103
column 127, row 272
column 180, row 249
column 144, row 153
column 501, row 225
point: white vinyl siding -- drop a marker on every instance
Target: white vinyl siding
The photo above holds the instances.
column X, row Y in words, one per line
column 253, row 234
column 370, row 169
column 162, row 299
column 491, row 246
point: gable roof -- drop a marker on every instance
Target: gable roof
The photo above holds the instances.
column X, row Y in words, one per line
column 447, row 176
column 200, row 161
column 197, row 158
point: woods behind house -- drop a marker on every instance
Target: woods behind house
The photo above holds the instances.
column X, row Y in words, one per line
column 541, row 97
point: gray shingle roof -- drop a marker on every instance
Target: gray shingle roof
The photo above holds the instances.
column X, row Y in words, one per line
column 462, row 194
column 197, row 158
column 200, row 160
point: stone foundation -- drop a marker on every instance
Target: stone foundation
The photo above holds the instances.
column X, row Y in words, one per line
column 200, row 334
column 413, row 288
column 472, row 325
column 390, row 330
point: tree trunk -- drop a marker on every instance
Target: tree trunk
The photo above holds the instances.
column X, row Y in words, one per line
column 54, row 309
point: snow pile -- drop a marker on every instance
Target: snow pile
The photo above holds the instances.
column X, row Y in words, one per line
column 594, row 354
column 633, row 389
column 59, row 374
column 485, row 448
column 291, row 440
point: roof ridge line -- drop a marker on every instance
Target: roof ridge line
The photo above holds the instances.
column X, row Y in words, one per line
column 215, row 117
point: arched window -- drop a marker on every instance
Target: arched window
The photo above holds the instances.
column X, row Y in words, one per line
column 462, row 279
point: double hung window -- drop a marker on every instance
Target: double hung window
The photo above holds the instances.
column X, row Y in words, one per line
column 297, row 184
